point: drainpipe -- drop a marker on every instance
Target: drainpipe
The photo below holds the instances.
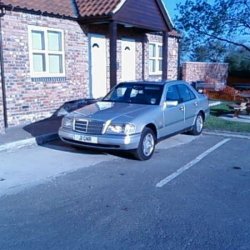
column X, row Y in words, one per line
column 165, row 56
column 2, row 13
column 179, row 73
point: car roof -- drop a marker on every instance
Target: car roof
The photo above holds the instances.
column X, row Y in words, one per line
column 156, row 82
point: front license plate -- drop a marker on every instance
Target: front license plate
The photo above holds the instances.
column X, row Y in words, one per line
column 84, row 138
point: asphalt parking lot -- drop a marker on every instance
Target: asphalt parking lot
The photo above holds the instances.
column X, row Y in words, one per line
column 193, row 194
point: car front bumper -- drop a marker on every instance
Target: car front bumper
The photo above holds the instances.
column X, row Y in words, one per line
column 114, row 142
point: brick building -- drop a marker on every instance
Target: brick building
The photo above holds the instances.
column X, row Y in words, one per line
column 57, row 51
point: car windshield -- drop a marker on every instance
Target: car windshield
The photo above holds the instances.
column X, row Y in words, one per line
column 136, row 93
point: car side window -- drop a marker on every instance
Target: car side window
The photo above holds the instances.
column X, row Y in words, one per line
column 192, row 95
column 185, row 93
column 172, row 94
column 120, row 92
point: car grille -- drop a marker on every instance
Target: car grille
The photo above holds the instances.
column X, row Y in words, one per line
column 88, row 126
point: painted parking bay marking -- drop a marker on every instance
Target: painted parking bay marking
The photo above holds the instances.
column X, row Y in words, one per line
column 190, row 164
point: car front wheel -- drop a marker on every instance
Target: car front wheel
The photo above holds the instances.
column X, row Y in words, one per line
column 198, row 125
column 146, row 146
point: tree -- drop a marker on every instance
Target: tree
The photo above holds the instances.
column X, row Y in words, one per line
column 239, row 62
column 223, row 22
column 212, row 51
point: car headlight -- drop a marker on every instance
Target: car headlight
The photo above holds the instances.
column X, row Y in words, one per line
column 67, row 122
column 126, row 129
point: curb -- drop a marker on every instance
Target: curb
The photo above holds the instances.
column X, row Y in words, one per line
column 227, row 134
column 39, row 140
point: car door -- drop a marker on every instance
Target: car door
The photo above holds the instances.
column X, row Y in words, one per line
column 189, row 101
column 173, row 111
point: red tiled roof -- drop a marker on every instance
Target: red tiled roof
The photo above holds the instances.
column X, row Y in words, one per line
column 86, row 8
column 96, row 7
column 57, row 7
column 74, row 8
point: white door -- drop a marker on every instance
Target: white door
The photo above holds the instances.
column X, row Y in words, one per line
column 98, row 66
column 128, row 60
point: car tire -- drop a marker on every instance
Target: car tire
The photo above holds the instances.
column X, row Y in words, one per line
column 146, row 146
column 198, row 125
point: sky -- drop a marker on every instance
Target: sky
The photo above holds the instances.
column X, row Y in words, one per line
column 171, row 4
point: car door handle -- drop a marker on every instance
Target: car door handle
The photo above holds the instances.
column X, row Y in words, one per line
column 195, row 104
column 181, row 108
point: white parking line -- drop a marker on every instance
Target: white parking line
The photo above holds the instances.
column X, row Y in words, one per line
column 190, row 164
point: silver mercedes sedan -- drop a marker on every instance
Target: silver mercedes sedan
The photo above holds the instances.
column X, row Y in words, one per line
column 135, row 116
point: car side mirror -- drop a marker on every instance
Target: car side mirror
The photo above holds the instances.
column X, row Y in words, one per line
column 170, row 103
column 181, row 100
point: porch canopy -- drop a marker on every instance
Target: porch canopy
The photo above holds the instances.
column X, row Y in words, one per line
column 145, row 15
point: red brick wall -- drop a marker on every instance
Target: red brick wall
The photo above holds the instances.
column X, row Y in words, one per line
column 173, row 50
column 29, row 100
column 208, row 72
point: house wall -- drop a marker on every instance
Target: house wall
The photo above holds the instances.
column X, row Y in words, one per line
column 173, row 51
column 172, row 65
column 123, row 33
column 140, row 38
column 213, row 73
column 31, row 99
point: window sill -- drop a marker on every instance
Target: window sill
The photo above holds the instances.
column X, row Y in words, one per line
column 155, row 74
column 48, row 79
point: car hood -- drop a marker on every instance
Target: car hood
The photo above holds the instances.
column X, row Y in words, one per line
column 122, row 112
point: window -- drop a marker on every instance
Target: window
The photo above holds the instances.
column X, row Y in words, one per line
column 46, row 52
column 185, row 93
column 173, row 94
column 155, row 58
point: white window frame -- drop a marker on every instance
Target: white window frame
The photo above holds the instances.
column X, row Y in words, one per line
column 156, row 58
column 46, row 52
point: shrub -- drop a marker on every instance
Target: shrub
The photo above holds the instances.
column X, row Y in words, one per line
column 226, row 94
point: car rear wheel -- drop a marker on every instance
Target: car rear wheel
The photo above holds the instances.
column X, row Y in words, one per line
column 198, row 125
column 146, row 146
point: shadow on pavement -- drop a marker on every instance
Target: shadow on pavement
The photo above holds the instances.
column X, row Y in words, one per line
column 52, row 124
column 61, row 146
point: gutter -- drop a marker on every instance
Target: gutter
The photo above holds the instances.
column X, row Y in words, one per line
column 2, row 13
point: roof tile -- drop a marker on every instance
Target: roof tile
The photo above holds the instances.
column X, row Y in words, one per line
column 96, row 7
column 86, row 8
column 57, row 7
